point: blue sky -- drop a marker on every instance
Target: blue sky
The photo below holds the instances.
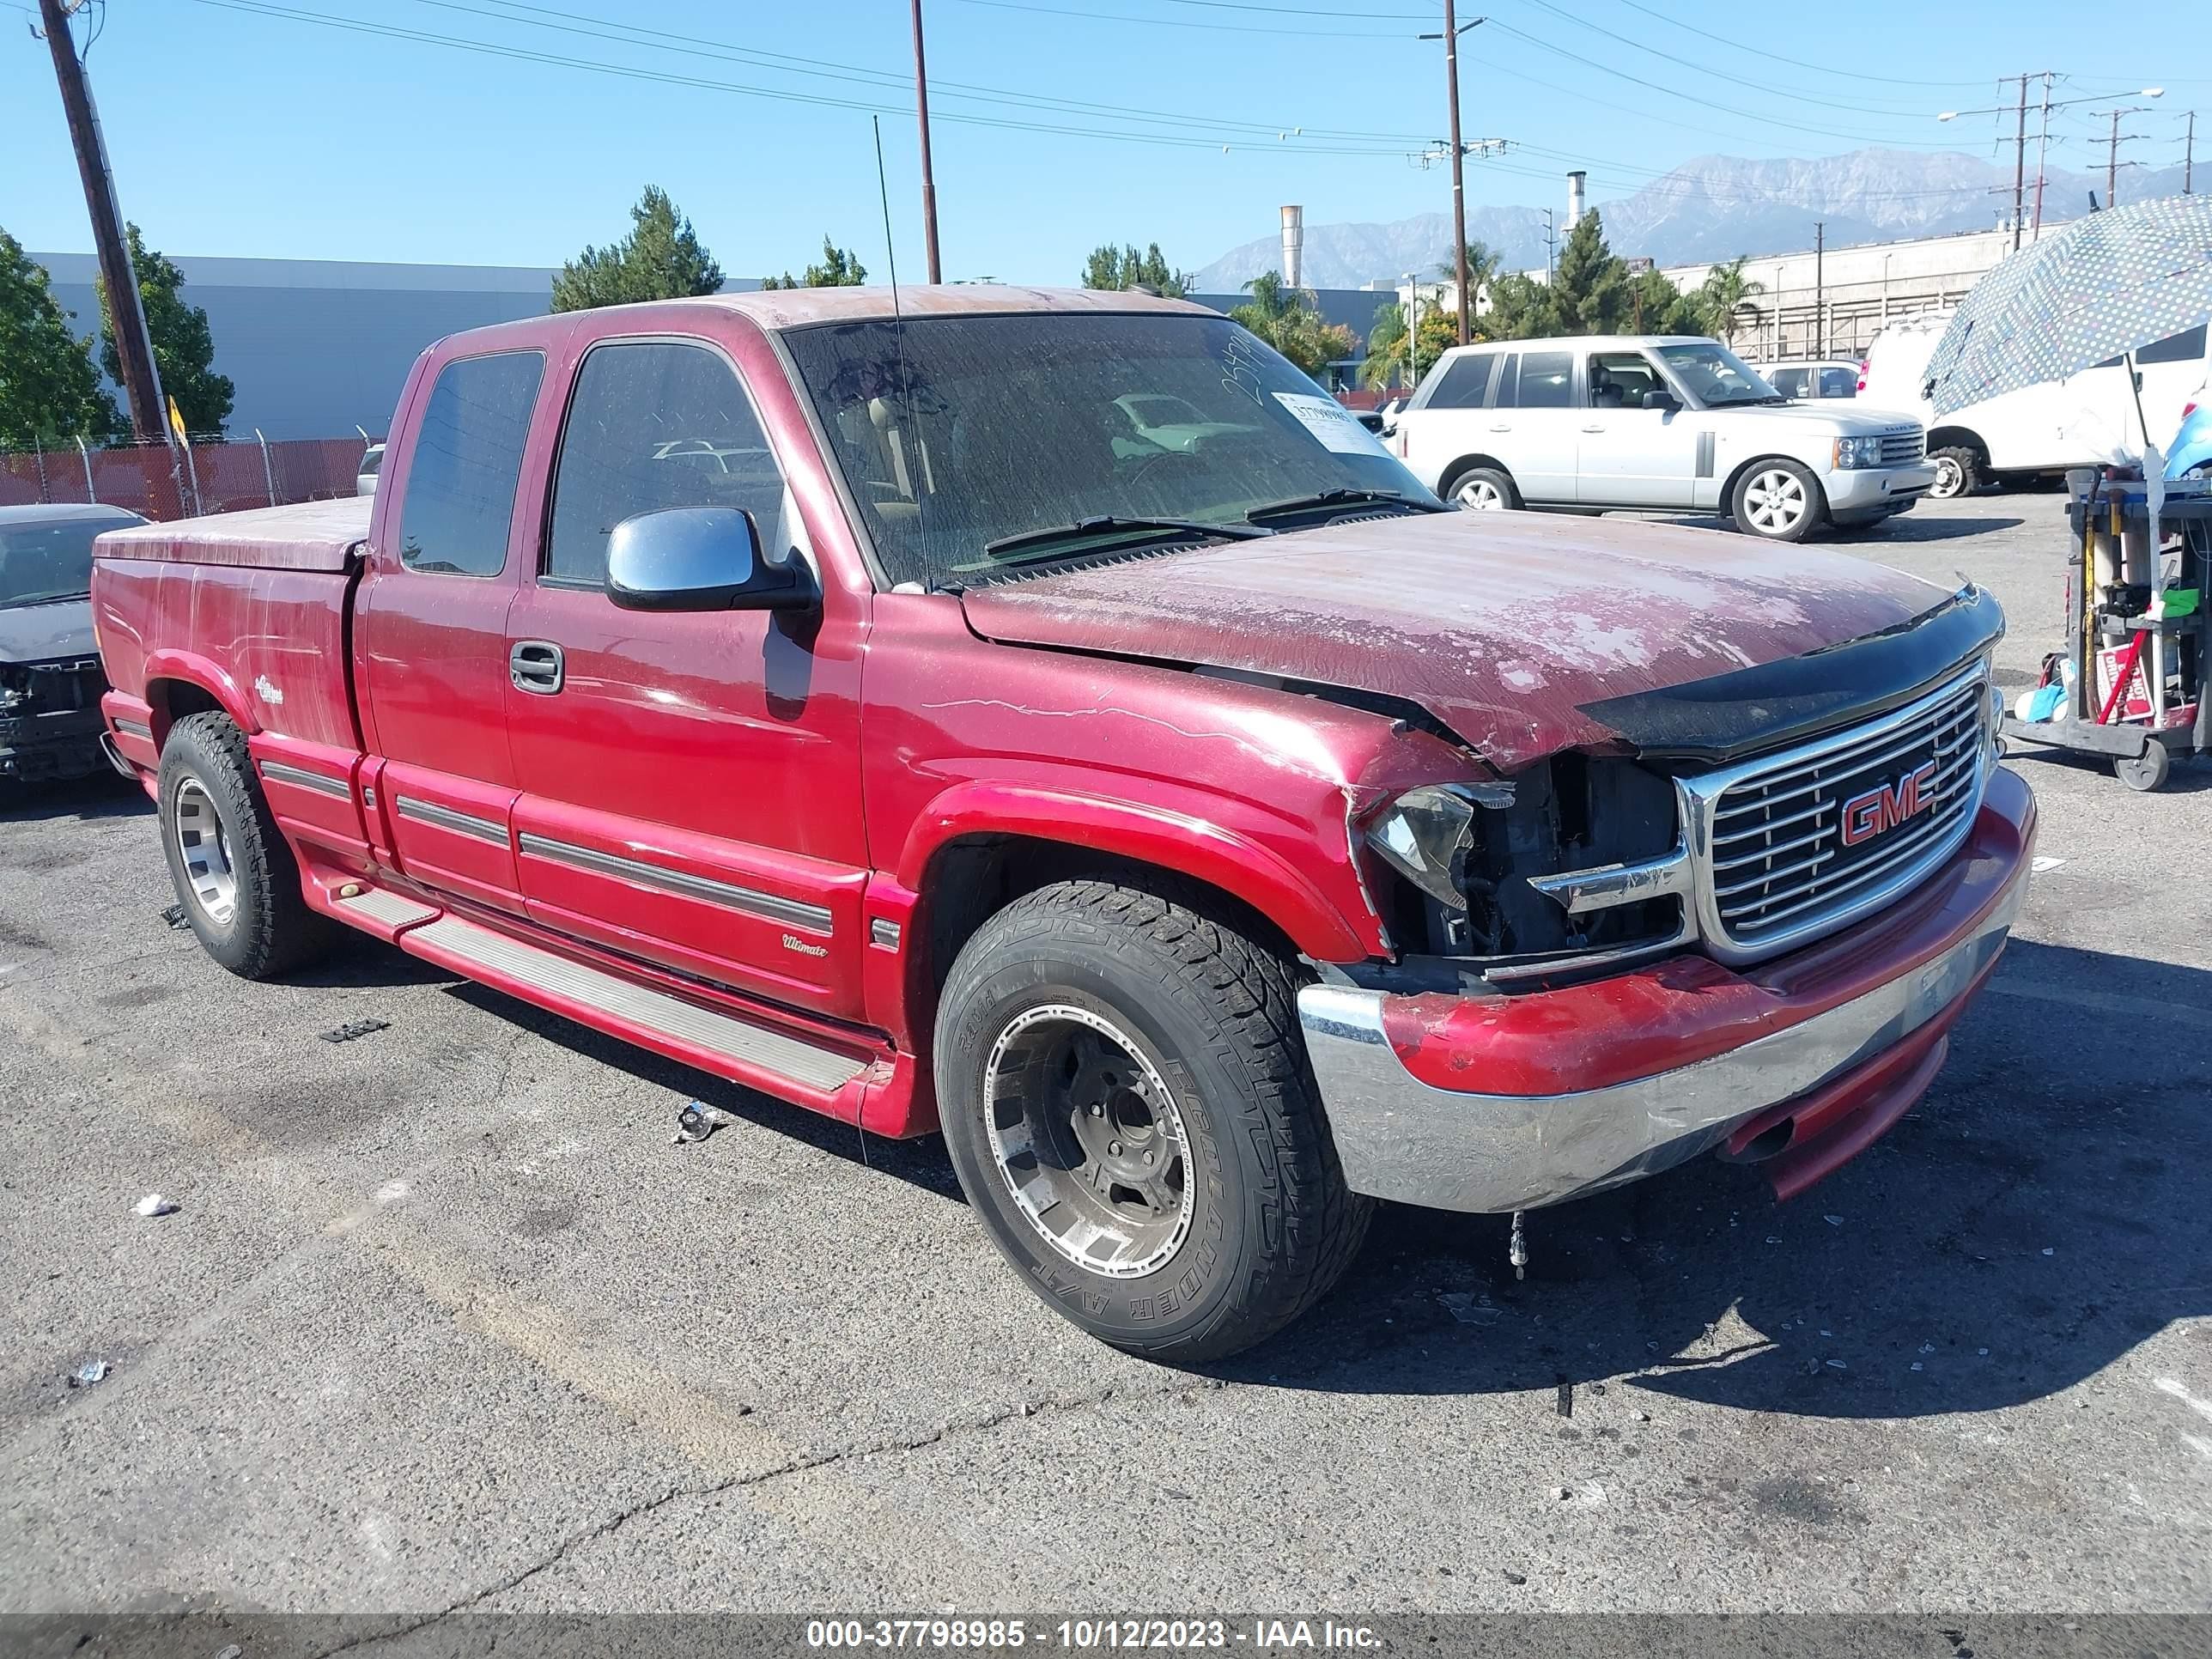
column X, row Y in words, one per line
column 239, row 127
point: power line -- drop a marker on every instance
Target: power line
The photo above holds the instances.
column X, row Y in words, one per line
column 1182, row 23
column 630, row 72
column 1764, row 51
column 827, row 68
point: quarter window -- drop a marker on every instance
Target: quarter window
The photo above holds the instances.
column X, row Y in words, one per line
column 1790, row 382
column 2183, row 348
column 655, row 424
column 1466, row 382
column 467, row 459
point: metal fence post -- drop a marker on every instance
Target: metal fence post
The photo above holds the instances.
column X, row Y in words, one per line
column 198, row 505
column 268, row 471
column 39, row 460
column 91, row 494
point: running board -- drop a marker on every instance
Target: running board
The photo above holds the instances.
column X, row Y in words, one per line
column 387, row 909
column 624, row 1008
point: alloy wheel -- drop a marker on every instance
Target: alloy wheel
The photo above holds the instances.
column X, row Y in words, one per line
column 1480, row 494
column 1774, row 502
column 1089, row 1141
column 204, row 852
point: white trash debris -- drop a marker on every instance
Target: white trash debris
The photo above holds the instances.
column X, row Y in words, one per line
column 153, row 1204
column 87, row 1374
column 1833, row 1220
column 1468, row 1309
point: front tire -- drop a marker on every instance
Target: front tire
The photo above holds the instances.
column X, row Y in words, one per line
column 1958, row 472
column 1126, row 1098
column 1483, row 490
column 1778, row 501
column 234, row 875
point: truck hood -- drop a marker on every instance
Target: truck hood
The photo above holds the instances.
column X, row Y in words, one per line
column 1503, row 627
column 43, row 633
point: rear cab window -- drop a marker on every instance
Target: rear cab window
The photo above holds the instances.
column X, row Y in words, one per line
column 1547, row 380
column 458, row 504
column 1465, row 383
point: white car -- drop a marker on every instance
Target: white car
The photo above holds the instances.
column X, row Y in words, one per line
column 372, row 463
column 1658, row 423
column 1813, row 379
column 2039, row 431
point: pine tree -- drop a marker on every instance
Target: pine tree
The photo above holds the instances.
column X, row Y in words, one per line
column 840, row 268
column 184, row 346
column 1590, row 286
column 49, row 391
column 1114, row 269
column 661, row 258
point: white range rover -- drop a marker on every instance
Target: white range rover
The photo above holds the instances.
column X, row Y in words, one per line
column 1657, row 422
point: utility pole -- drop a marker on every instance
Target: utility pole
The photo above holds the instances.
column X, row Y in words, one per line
column 2112, row 144
column 929, row 178
column 1551, row 244
column 2189, row 156
column 2042, row 151
column 142, row 382
column 1819, row 289
column 2020, row 167
column 1452, row 31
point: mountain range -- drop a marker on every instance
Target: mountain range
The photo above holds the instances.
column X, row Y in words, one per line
column 1713, row 207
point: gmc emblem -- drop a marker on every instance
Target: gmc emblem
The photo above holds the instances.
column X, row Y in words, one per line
column 1882, row 808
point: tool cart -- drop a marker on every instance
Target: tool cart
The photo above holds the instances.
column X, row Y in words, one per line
column 2132, row 683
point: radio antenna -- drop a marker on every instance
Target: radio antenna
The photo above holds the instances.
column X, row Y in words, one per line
column 884, row 189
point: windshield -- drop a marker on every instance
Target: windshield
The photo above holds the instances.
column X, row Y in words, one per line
column 42, row 562
column 975, row 430
column 1715, row 376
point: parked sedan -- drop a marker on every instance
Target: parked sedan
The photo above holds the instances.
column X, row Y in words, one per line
column 50, row 682
column 1812, row 379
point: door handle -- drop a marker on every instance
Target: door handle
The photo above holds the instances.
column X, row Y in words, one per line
column 1503, row 426
column 535, row 666
column 1594, row 428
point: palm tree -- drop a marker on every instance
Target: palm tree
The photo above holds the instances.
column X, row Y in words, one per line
column 1290, row 320
column 1724, row 295
column 1483, row 264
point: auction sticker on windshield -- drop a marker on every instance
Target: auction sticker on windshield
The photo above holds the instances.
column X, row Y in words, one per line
column 1336, row 427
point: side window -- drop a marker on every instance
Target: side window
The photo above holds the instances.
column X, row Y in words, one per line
column 1506, row 394
column 1547, row 380
column 2186, row 347
column 1839, row 383
column 467, row 460
column 1466, row 382
column 654, row 424
column 1790, row 382
column 1619, row 380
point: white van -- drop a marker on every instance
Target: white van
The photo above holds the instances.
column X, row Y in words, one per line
column 2040, row 430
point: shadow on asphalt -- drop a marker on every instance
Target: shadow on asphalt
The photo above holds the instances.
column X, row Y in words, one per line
column 102, row 795
column 2192, row 774
column 2023, row 1229
column 1911, row 527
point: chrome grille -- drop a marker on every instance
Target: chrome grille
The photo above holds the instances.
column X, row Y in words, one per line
column 1778, row 866
column 1903, row 447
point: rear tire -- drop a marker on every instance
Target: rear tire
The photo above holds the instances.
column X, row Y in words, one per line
column 234, row 875
column 1959, row 472
column 1483, row 490
column 1126, row 1098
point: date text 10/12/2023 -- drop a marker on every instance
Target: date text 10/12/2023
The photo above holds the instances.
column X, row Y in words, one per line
column 1089, row 1635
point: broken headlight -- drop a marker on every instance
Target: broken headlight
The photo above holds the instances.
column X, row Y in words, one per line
column 1424, row 835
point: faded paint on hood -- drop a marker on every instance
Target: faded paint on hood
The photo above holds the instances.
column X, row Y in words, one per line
column 45, row 632
column 1500, row 625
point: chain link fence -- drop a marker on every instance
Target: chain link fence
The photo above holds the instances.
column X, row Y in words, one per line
column 209, row 475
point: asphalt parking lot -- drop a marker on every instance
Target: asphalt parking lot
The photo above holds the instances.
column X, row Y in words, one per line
column 446, row 1321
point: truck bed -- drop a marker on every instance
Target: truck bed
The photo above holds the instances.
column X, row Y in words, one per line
column 304, row 536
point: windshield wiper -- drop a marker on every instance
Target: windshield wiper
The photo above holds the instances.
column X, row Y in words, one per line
column 1113, row 525
column 44, row 598
column 1292, row 506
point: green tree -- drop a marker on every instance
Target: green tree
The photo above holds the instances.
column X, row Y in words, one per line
column 1590, row 284
column 1113, row 268
column 49, row 393
column 840, row 268
column 1482, row 266
column 661, row 258
column 183, row 347
column 1385, row 362
column 1723, row 298
column 1290, row 320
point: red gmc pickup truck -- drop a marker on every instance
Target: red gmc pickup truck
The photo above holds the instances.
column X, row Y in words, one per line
column 1045, row 718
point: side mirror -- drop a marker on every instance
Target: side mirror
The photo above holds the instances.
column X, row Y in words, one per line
column 699, row 558
column 1660, row 398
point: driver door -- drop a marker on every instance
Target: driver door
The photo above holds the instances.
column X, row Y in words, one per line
column 691, row 780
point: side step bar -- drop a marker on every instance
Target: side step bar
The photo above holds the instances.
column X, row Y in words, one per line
column 622, row 1007
column 388, row 910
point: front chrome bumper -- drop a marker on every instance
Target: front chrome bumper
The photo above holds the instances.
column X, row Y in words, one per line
column 1403, row 1139
column 1852, row 488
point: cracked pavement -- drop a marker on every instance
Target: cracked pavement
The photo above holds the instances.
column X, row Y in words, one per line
column 445, row 1321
